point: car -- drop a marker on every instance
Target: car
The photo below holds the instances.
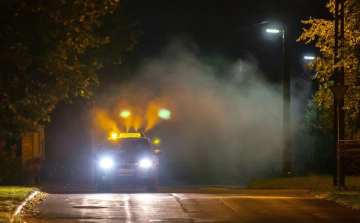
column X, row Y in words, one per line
column 127, row 159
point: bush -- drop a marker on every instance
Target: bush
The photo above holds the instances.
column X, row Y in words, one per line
column 318, row 143
column 11, row 171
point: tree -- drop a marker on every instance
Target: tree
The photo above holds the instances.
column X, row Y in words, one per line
column 322, row 32
column 50, row 51
column 317, row 142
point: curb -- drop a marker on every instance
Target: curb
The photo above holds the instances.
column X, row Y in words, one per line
column 68, row 188
column 17, row 210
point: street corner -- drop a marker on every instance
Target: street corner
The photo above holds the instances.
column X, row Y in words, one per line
column 33, row 197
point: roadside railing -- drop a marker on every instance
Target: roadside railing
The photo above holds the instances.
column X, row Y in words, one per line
column 346, row 148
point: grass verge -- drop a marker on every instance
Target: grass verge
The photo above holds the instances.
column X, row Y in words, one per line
column 10, row 198
column 319, row 186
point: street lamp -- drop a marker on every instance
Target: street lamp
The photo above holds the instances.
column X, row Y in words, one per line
column 309, row 57
column 286, row 101
column 272, row 30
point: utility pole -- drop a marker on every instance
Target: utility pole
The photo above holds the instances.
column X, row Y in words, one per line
column 335, row 126
column 286, row 170
column 339, row 124
column 93, row 142
column 286, row 103
column 341, row 106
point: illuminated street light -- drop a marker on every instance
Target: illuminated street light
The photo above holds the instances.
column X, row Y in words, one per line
column 309, row 57
column 272, row 30
column 286, row 100
column 125, row 113
column 164, row 113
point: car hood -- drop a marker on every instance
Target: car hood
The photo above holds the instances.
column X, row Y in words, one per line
column 121, row 157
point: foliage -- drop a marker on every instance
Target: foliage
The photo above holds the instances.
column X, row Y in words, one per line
column 322, row 32
column 50, row 51
column 10, row 198
column 11, row 171
column 16, row 193
column 318, row 143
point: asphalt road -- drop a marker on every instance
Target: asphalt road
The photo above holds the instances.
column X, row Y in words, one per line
column 190, row 205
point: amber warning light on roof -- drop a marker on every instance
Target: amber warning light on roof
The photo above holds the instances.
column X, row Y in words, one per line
column 129, row 135
column 114, row 135
column 125, row 135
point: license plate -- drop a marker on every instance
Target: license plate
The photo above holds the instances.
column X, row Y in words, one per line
column 127, row 171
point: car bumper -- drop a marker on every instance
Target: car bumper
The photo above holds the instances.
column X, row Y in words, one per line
column 129, row 176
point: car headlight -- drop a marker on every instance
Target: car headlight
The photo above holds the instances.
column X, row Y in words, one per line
column 145, row 163
column 106, row 163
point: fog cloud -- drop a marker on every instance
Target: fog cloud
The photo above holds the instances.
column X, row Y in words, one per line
column 224, row 127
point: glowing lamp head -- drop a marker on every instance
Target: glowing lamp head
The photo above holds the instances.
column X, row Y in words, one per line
column 309, row 57
column 272, row 30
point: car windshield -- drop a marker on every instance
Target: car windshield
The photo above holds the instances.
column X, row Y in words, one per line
column 130, row 145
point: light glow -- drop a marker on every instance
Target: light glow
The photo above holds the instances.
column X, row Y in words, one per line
column 130, row 135
column 114, row 135
column 157, row 151
column 164, row 113
column 106, row 163
column 156, row 141
column 272, row 30
column 137, row 122
column 125, row 113
column 105, row 122
column 145, row 163
column 152, row 115
column 309, row 57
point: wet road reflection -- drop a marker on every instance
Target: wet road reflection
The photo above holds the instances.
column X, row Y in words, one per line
column 188, row 207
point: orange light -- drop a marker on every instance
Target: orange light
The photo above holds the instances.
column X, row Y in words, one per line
column 157, row 151
column 152, row 116
column 114, row 135
column 137, row 122
column 104, row 121
column 130, row 135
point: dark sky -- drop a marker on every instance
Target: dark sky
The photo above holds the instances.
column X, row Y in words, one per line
column 233, row 29
column 228, row 26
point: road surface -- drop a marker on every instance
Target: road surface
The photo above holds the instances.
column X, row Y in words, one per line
column 190, row 205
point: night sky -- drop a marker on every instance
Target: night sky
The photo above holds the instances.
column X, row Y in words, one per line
column 227, row 29
column 233, row 28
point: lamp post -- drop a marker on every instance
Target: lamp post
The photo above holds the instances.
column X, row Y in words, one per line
column 93, row 142
column 286, row 101
column 339, row 123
